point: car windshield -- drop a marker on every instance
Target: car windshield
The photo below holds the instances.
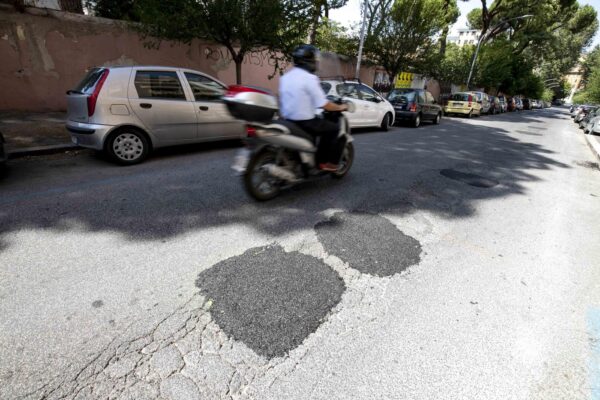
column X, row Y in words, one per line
column 401, row 96
column 460, row 97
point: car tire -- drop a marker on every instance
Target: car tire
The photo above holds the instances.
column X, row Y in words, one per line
column 417, row 121
column 437, row 119
column 386, row 122
column 128, row 146
column 470, row 114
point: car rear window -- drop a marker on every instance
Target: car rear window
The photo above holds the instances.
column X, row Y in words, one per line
column 460, row 97
column 86, row 86
column 401, row 96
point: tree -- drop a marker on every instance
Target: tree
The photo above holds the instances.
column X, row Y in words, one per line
column 401, row 34
column 333, row 37
column 241, row 26
column 114, row 9
column 319, row 9
column 451, row 14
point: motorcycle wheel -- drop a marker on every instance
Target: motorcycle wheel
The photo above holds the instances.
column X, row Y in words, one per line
column 345, row 162
column 258, row 182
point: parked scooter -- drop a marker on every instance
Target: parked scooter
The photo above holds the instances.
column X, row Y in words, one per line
column 279, row 154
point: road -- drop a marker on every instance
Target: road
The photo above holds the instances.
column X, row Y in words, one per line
column 458, row 261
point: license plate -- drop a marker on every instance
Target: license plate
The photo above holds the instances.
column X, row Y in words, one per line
column 457, row 104
column 240, row 161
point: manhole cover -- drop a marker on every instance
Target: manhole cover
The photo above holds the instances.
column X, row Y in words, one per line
column 468, row 178
column 269, row 299
column 369, row 243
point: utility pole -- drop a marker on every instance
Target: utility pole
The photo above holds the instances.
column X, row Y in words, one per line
column 362, row 37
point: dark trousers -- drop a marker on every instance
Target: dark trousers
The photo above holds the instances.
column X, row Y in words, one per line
column 329, row 148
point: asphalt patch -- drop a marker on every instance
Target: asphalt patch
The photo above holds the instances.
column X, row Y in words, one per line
column 269, row 299
column 588, row 164
column 468, row 178
column 369, row 243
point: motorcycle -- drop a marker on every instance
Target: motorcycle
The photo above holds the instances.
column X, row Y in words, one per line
column 280, row 154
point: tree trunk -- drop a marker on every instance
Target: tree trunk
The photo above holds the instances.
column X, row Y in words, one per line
column 443, row 39
column 238, row 70
column 314, row 24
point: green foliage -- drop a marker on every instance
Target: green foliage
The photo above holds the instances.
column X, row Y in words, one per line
column 241, row 26
column 335, row 38
column 474, row 19
column 126, row 10
column 454, row 66
column 319, row 10
column 400, row 35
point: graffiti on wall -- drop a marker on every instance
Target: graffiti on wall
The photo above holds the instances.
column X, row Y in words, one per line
column 261, row 58
column 382, row 82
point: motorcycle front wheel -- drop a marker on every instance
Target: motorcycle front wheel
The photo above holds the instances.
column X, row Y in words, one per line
column 345, row 162
column 258, row 182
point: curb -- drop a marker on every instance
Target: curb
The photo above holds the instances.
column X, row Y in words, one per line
column 41, row 150
column 593, row 143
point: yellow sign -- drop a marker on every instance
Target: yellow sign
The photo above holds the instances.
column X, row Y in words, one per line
column 404, row 79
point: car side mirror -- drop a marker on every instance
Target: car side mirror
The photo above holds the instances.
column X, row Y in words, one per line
column 376, row 100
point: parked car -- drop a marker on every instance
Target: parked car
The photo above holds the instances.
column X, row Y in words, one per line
column 583, row 113
column 483, row 99
column 415, row 106
column 3, row 155
column 372, row 110
column 463, row 103
column 511, row 104
column 526, row 104
column 129, row 111
column 502, row 101
column 494, row 105
column 587, row 119
column 518, row 104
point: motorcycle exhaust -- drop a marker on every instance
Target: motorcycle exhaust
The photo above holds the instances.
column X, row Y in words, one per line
column 280, row 172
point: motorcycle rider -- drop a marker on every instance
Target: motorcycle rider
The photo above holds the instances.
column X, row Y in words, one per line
column 300, row 94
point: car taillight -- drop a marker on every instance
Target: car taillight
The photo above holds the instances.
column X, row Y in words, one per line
column 413, row 107
column 250, row 131
column 236, row 89
column 93, row 98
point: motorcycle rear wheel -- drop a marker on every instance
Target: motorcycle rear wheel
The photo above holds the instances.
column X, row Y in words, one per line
column 257, row 181
column 345, row 162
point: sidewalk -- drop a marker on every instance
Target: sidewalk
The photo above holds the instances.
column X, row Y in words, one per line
column 29, row 134
column 594, row 143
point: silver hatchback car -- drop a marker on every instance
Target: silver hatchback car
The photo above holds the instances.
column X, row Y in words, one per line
column 128, row 111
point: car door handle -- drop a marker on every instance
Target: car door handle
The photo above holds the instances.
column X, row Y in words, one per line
column 146, row 105
column 204, row 108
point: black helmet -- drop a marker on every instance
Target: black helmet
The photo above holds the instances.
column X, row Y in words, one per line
column 306, row 56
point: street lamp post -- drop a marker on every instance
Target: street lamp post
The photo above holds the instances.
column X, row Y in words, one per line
column 362, row 39
column 485, row 35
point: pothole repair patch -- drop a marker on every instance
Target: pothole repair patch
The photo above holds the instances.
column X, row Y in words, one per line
column 269, row 299
column 468, row 178
column 588, row 164
column 369, row 243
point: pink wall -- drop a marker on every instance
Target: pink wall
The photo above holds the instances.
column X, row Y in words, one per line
column 45, row 53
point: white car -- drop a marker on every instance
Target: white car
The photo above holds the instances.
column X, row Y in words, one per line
column 372, row 110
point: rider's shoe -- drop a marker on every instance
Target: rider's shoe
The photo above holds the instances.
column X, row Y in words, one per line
column 329, row 167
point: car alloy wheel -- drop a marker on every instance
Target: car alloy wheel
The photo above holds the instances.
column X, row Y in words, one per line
column 417, row 121
column 128, row 147
column 437, row 119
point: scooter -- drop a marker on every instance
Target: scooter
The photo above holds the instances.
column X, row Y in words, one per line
column 279, row 154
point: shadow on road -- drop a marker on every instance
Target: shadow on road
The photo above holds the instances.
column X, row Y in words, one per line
column 180, row 191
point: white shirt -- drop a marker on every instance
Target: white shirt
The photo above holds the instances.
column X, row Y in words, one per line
column 300, row 94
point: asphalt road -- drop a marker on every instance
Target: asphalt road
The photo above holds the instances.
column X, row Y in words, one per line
column 458, row 261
